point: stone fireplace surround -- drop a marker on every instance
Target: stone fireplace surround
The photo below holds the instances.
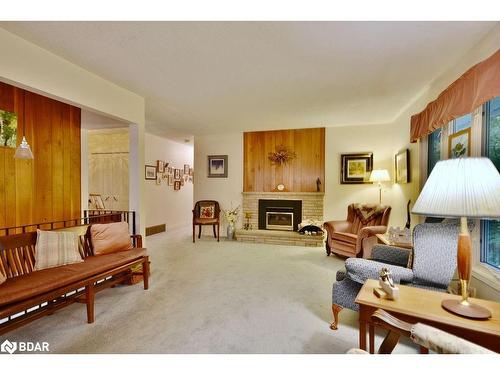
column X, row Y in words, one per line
column 312, row 209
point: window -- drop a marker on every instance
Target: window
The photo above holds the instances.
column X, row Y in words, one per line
column 462, row 123
column 490, row 229
column 434, row 150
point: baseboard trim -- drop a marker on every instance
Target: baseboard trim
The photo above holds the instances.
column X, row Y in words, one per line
column 155, row 229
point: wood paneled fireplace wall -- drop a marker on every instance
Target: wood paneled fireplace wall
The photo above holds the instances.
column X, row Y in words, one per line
column 298, row 175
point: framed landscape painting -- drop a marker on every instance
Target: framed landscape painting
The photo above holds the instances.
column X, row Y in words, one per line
column 402, row 161
column 356, row 168
column 459, row 144
column 217, row 166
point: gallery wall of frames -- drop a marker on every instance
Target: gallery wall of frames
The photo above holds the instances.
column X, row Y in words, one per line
column 163, row 173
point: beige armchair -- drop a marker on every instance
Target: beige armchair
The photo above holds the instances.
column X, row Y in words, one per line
column 348, row 237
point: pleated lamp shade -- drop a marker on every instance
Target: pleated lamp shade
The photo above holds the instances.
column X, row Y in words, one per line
column 465, row 187
column 379, row 175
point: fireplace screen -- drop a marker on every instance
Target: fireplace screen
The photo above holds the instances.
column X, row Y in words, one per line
column 279, row 220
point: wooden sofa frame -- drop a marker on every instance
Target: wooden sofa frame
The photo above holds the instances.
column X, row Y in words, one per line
column 17, row 258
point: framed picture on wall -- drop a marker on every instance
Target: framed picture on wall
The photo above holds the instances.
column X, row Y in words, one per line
column 186, row 168
column 459, row 144
column 402, row 163
column 356, row 168
column 170, row 180
column 150, row 172
column 160, row 166
column 177, row 174
column 177, row 185
column 217, row 166
column 8, row 129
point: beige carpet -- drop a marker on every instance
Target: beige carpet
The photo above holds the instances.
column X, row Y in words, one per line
column 211, row 297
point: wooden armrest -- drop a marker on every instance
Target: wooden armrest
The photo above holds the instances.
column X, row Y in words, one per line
column 137, row 239
column 396, row 329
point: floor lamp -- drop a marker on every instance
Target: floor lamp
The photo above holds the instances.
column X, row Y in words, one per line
column 462, row 188
column 379, row 176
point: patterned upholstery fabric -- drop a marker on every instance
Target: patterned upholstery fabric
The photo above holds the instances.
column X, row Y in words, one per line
column 397, row 256
column 442, row 342
column 435, row 261
column 435, row 247
column 360, row 270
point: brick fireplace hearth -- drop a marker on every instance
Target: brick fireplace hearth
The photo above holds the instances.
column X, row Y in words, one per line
column 312, row 208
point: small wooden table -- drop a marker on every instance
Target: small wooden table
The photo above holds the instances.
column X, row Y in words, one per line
column 416, row 305
column 384, row 239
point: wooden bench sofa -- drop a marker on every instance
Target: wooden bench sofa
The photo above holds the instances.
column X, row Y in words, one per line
column 27, row 295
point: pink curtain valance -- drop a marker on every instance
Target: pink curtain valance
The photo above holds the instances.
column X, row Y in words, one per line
column 475, row 87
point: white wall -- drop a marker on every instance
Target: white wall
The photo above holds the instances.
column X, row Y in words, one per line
column 227, row 191
column 164, row 205
column 384, row 141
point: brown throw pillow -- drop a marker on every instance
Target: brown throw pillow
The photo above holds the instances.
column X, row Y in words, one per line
column 2, row 277
column 207, row 211
column 54, row 249
column 110, row 238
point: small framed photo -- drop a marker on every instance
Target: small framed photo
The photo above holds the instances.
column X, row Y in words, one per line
column 186, row 168
column 459, row 144
column 191, row 171
column 170, row 180
column 160, row 166
column 158, row 179
column 177, row 174
column 150, row 172
column 402, row 163
column 217, row 166
column 356, row 168
column 177, row 185
column 170, row 170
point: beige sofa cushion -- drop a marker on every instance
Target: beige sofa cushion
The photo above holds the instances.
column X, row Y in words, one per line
column 55, row 249
column 110, row 238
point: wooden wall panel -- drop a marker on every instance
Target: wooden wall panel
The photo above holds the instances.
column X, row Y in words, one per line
column 299, row 175
column 48, row 187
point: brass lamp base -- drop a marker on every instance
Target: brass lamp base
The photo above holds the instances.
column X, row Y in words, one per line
column 466, row 309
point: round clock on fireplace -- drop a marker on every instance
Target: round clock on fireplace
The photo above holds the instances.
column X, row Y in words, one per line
column 280, row 187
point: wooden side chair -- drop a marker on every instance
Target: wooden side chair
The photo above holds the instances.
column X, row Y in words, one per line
column 206, row 213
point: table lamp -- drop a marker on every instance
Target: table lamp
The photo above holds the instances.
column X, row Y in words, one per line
column 462, row 188
column 379, row 176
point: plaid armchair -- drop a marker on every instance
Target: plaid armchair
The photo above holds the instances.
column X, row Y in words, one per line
column 432, row 267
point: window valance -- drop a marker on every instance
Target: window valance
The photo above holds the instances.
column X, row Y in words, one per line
column 475, row 87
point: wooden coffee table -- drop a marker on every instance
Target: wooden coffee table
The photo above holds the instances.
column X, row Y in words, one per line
column 384, row 239
column 416, row 305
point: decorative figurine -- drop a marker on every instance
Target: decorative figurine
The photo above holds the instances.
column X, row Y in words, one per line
column 387, row 284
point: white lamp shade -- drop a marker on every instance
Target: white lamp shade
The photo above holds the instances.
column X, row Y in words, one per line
column 379, row 175
column 465, row 187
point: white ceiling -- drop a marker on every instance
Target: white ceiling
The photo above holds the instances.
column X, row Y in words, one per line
column 206, row 77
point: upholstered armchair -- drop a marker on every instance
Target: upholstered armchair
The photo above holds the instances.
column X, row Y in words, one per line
column 206, row 213
column 431, row 265
column 347, row 237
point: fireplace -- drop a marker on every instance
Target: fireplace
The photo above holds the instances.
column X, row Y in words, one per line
column 279, row 220
column 280, row 214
